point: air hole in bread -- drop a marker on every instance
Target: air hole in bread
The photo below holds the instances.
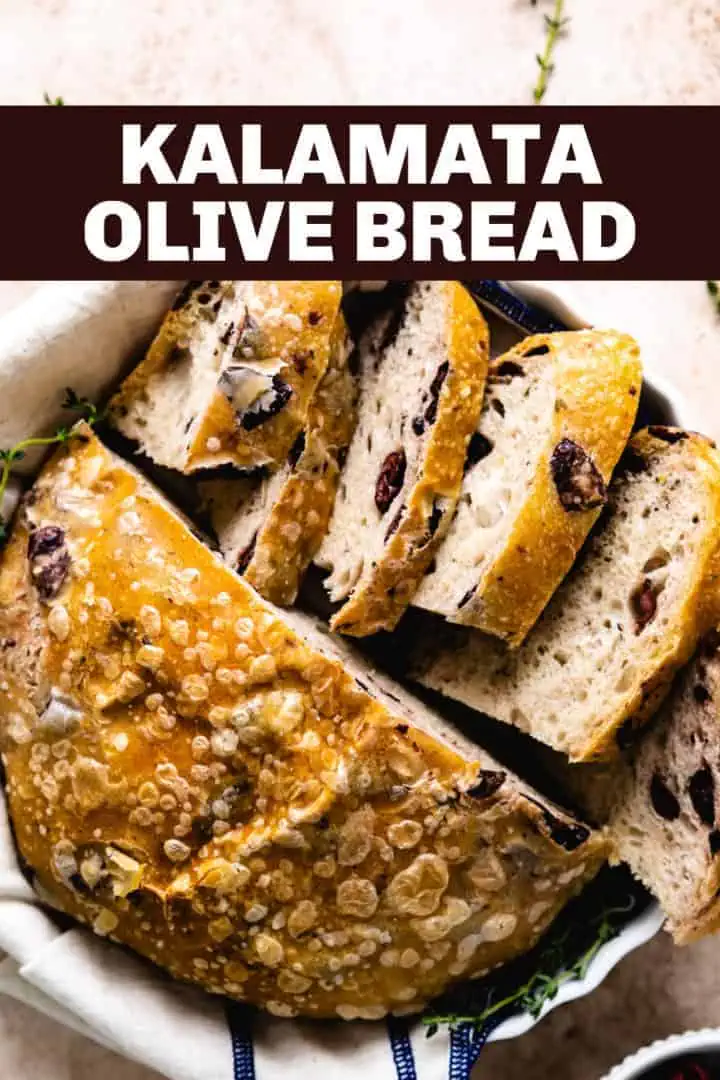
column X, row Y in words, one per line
column 701, row 789
column 663, row 801
column 536, row 350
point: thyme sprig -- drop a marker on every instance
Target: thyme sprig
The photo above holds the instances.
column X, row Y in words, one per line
column 713, row 288
column 555, row 24
column 52, row 101
column 553, row 972
column 86, row 411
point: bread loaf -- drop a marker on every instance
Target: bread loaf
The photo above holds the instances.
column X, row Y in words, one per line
column 194, row 776
column 229, row 377
column 269, row 529
column 665, row 819
column 558, row 412
column 421, row 371
column 608, row 645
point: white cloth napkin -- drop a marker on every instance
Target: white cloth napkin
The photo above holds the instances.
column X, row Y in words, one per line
column 81, row 335
column 127, row 1005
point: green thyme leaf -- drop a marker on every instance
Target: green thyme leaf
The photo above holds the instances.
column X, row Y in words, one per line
column 52, row 101
column 83, row 406
column 555, row 25
column 555, row 969
column 87, row 411
column 713, row 288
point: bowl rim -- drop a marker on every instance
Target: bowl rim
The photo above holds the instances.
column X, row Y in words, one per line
column 663, row 1050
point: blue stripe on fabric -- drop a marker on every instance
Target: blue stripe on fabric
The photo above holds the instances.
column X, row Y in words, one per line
column 399, row 1034
column 529, row 317
column 459, row 1064
column 239, row 1019
column 466, row 1045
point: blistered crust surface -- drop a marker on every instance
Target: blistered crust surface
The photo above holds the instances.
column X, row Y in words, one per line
column 187, row 776
column 262, row 347
column 293, row 509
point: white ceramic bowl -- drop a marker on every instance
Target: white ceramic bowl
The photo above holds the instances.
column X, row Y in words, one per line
column 32, row 380
column 689, row 1043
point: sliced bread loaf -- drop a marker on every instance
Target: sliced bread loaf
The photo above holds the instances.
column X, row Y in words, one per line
column 198, row 777
column 666, row 816
column 229, row 377
column 558, row 412
column 270, row 528
column 422, row 371
column 626, row 619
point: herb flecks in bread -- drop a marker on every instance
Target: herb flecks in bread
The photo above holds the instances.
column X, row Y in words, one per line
column 197, row 776
column 630, row 614
column 229, row 378
column 558, row 412
column 421, row 370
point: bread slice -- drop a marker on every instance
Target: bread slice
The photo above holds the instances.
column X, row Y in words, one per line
column 190, row 774
column 666, row 818
column 606, row 649
column 422, row 372
column 229, row 377
column 270, row 529
column 558, row 411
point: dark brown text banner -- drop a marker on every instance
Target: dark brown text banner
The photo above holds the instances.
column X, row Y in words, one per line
column 395, row 192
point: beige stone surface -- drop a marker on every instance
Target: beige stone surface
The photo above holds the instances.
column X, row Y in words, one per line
column 409, row 51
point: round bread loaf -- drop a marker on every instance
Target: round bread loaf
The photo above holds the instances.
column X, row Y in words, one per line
column 196, row 777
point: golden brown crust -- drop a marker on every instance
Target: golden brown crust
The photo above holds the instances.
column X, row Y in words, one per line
column 598, row 380
column 487, row 676
column 378, row 601
column 298, row 503
column 188, row 777
column 282, row 326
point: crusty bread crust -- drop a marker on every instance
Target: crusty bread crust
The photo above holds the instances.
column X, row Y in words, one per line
column 282, row 326
column 380, row 597
column 275, row 560
column 701, row 611
column 664, row 816
column 481, row 672
column 597, row 387
column 190, row 778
